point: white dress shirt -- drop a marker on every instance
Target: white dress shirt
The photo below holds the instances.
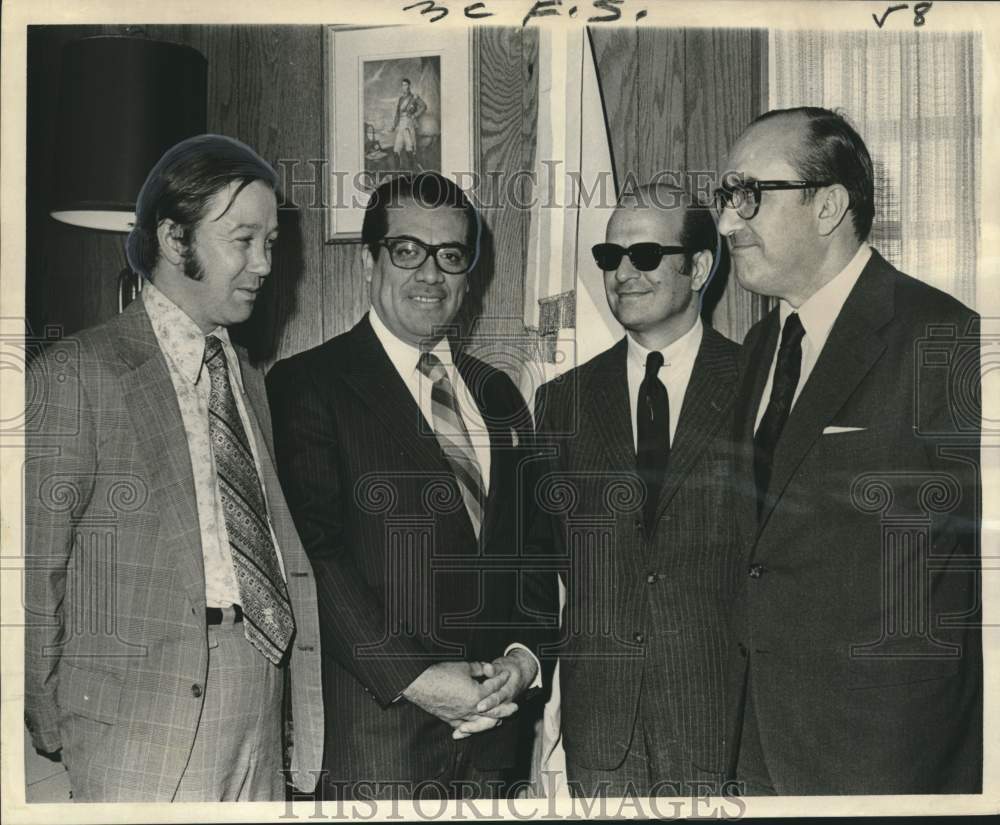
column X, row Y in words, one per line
column 183, row 345
column 678, row 363
column 405, row 358
column 817, row 315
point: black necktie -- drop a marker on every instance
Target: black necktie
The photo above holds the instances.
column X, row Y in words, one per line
column 653, row 433
column 786, row 379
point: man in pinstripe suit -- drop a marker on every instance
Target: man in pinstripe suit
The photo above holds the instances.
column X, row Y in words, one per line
column 641, row 436
column 168, row 597
column 403, row 460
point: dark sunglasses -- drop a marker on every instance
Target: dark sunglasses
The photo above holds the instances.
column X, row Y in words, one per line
column 644, row 256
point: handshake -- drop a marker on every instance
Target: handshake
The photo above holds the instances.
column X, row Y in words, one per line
column 473, row 696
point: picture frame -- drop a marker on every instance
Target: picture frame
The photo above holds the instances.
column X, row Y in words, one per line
column 398, row 99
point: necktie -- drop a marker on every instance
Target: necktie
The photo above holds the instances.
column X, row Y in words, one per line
column 268, row 623
column 453, row 437
column 652, row 433
column 786, row 379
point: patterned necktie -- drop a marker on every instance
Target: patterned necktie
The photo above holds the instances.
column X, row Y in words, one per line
column 652, row 433
column 786, row 379
column 453, row 437
column 268, row 622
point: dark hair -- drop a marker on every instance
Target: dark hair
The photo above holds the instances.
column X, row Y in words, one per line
column 406, row 80
column 180, row 186
column 832, row 150
column 428, row 190
column 698, row 231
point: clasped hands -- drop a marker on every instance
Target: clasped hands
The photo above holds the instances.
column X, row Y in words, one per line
column 473, row 696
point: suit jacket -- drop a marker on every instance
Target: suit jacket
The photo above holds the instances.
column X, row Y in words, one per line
column 645, row 612
column 116, row 644
column 858, row 608
column 402, row 581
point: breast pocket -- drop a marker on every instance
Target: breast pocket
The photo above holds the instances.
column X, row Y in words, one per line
column 874, row 671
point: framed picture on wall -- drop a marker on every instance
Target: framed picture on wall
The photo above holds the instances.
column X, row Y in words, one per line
column 398, row 100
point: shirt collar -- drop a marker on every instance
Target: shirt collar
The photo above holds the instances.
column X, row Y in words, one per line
column 678, row 352
column 822, row 307
column 180, row 338
column 404, row 356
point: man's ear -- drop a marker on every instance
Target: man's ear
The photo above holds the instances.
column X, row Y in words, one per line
column 170, row 235
column 832, row 204
column 701, row 269
column 367, row 262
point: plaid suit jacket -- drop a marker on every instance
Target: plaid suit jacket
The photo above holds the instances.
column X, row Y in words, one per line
column 116, row 648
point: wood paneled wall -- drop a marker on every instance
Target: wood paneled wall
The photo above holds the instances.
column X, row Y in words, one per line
column 677, row 99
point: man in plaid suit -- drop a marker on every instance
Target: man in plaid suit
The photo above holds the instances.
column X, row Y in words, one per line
column 168, row 598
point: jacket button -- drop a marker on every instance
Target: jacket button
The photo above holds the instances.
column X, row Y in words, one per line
column 651, row 578
column 196, row 691
column 756, row 571
column 638, row 524
column 639, row 638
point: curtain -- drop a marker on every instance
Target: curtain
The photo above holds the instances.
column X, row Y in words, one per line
column 915, row 99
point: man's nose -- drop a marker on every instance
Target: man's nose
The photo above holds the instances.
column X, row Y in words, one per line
column 626, row 270
column 260, row 260
column 729, row 222
column 429, row 271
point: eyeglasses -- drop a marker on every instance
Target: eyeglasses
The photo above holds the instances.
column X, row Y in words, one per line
column 644, row 256
column 409, row 253
column 744, row 196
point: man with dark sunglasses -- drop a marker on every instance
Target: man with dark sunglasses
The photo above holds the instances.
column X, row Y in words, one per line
column 857, row 659
column 641, row 436
column 401, row 458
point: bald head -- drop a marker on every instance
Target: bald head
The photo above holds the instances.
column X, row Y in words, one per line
column 658, row 304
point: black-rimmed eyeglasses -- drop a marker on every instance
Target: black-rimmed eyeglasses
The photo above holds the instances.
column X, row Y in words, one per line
column 410, row 253
column 745, row 196
column 644, row 256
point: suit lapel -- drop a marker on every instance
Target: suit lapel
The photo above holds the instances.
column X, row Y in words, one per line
column 756, row 360
column 849, row 354
column 604, row 400
column 255, row 396
column 708, row 397
column 152, row 403
column 373, row 377
column 496, row 417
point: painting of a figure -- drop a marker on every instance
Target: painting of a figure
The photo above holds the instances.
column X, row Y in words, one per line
column 402, row 115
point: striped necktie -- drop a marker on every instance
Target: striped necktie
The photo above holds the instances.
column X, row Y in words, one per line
column 268, row 623
column 453, row 437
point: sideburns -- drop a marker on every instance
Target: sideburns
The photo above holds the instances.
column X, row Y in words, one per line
column 192, row 265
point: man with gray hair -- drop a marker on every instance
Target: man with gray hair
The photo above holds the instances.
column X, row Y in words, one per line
column 640, row 436
column 167, row 594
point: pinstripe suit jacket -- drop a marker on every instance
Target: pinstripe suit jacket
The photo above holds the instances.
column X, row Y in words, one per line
column 116, row 645
column 644, row 613
column 402, row 581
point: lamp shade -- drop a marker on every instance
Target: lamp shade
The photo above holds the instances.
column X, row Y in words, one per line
column 123, row 101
